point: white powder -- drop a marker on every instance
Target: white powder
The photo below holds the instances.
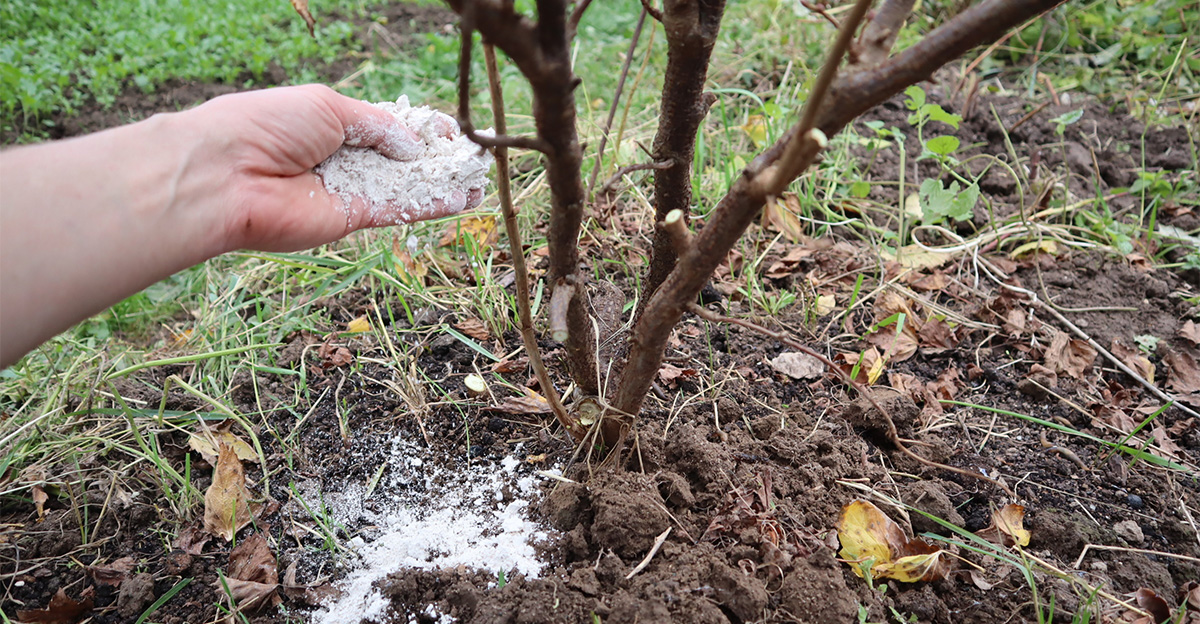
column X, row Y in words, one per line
column 435, row 515
column 428, row 180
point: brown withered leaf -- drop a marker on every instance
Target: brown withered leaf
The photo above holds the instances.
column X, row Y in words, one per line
column 1133, row 358
column 514, row 365
column 908, row 385
column 407, row 267
column 947, row 384
column 62, row 609
column 39, row 501
column 1066, row 355
column 869, row 538
column 253, row 574
column 1183, row 375
column 113, row 573
column 1007, row 527
column 781, row 217
column 1164, row 442
column 333, row 356
column 1014, row 322
column 1152, row 603
column 311, row 595
column 896, row 347
column 301, row 7
column 937, row 334
column 473, row 328
column 227, row 501
column 935, row 281
column 206, row 441
column 870, row 365
column 530, row 404
column 192, row 539
column 1190, row 332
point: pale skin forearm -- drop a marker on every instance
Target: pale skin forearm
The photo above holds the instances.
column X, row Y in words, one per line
column 93, row 227
column 89, row 221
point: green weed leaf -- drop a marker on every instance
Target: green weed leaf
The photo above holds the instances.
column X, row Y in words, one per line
column 940, row 203
column 943, row 145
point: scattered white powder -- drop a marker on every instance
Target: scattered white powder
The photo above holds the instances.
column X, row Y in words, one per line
column 426, row 180
column 433, row 515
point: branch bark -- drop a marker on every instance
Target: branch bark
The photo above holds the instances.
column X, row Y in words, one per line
column 850, row 95
column 541, row 51
column 518, row 254
column 692, row 27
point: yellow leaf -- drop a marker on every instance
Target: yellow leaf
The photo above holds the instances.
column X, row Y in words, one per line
column 1010, row 519
column 782, row 217
column 866, row 535
column 206, row 444
column 756, row 128
column 924, row 567
column 406, row 266
column 1045, row 246
column 359, row 325
column 912, row 207
column 227, row 501
column 915, row 258
column 480, row 228
column 825, row 304
column 875, row 370
column 40, row 498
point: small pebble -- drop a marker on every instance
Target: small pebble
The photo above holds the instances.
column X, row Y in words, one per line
column 1134, row 501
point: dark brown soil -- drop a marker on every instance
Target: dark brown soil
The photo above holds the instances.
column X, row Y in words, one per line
column 749, row 469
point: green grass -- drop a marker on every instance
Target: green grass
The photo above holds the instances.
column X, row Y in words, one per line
column 58, row 55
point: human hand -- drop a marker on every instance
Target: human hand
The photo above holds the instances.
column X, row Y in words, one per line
column 264, row 145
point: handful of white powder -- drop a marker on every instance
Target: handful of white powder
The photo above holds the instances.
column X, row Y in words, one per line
column 402, row 191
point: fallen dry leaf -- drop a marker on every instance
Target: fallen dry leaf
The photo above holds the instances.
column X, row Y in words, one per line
column 871, row 539
column 896, row 347
column 39, row 501
column 1190, row 332
column 253, row 574
column 935, row 281
column 916, row 257
column 407, row 267
column 1066, row 355
column 1008, row 526
column 358, row 325
column 311, row 595
column 869, row 365
column 473, row 328
column 824, row 305
column 1133, row 358
column 206, row 443
column 1183, row 375
column 937, row 334
column 797, row 365
column 511, row 366
column 782, row 218
column 333, row 356
column 1164, row 442
column 192, row 539
column 61, row 610
column 113, row 573
column 479, row 228
column 536, row 404
column 301, row 7
column 1153, row 604
column 227, row 501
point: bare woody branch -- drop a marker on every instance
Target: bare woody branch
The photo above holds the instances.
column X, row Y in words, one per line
column 541, row 51
column 692, row 27
column 880, row 33
column 849, row 96
column 576, row 16
column 518, row 254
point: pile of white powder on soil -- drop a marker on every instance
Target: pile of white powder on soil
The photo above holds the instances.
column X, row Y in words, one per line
column 402, row 191
column 428, row 514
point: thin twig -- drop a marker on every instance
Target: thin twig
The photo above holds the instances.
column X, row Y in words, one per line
column 893, row 434
column 517, row 252
column 651, row 11
column 658, row 542
column 793, row 162
column 500, row 140
column 628, row 169
column 1042, row 305
column 612, row 108
column 576, row 16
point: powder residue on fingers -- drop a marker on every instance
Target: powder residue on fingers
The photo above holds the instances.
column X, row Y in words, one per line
column 443, row 169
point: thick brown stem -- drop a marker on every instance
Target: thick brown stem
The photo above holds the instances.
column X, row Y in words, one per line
column 849, row 96
column 880, row 33
column 692, row 27
column 504, row 191
column 541, row 51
